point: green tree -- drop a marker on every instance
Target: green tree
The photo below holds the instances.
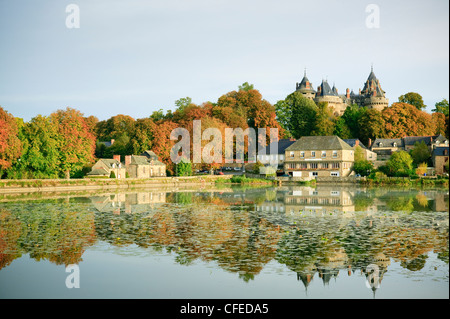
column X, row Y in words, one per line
column 371, row 126
column 363, row 167
column 352, row 117
column 413, row 99
column 298, row 113
column 420, row 153
column 324, row 120
column 400, row 164
column 183, row 168
column 442, row 107
column 341, row 128
column 246, row 87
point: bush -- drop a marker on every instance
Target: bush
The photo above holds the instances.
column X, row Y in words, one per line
column 112, row 175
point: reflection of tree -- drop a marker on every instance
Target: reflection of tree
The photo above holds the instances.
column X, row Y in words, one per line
column 51, row 231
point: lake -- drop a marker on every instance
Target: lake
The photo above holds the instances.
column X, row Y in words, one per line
column 290, row 242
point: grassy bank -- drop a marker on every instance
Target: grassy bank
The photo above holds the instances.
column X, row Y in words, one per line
column 243, row 180
column 405, row 181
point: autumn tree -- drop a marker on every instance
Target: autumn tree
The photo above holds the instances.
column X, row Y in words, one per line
column 76, row 141
column 114, row 127
column 10, row 144
column 413, row 99
column 402, row 119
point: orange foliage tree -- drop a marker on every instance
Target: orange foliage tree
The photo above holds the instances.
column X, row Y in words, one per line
column 10, row 144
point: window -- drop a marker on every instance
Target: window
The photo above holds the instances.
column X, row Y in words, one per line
column 313, row 165
column 335, row 165
column 291, row 154
column 334, row 154
column 395, row 144
column 113, row 165
column 380, row 144
column 302, row 154
column 324, row 165
column 324, row 154
column 303, row 166
column 313, row 153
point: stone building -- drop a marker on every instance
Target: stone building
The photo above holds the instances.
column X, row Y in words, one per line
column 371, row 96
column 145, row 165
column 440, row 159
column 319, row 156
column 105, row 166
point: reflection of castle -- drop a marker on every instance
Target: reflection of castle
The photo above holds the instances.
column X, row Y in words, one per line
column 129, row 203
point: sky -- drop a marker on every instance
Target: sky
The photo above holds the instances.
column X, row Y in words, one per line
column 135, row 57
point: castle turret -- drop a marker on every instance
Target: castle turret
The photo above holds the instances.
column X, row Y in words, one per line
column 305, row 87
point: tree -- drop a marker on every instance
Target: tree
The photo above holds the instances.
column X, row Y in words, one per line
column 299, row 114
column 400, row 164
column 363, row 167
column 10, row 144
column 184, row 168
column 372, row 125
column 246, row 87
column 75, row 140
column 359, row 153
column 441, row 107
column 41, row 154
column 421, row 169
column 341, row 129
column 352, row 117
column 420, row 153
column 402, row 119
column 114, row 127
column 324, row 120
column 413, row 99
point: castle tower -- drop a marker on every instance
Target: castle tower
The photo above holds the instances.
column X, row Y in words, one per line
column 330, row 95
column 372, row 95
column 305, row 87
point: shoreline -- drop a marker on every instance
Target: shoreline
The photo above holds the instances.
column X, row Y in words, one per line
column 93, row 184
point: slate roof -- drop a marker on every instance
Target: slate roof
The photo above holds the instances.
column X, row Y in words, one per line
column 352, row 142
column 441, row 151
column 304, row 87
column 387, row 142
column 325, row 89
column 282, row 145
column 319, row 143
column 411, row 140
column 144, row 160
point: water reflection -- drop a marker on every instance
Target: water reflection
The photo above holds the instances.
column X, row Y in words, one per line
column 315, row 232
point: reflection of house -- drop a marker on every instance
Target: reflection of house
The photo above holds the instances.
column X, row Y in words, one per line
column 130, row 203
column 313, row 156
column 104, row 167
column 440, row 159
column 318, row 201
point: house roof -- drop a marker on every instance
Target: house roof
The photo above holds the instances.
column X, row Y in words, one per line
column 109, row 162
column 319, row 143
column 387, row 142
column 98, row 171
column 150, row 154
column 352, row 142
column 144, row 160
column 282, row 145
column 441, row 151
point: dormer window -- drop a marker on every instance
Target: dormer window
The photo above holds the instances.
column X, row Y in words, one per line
column 446, row 142
column 437, row 142
column 380, row 144
column 395, row 144
column 113, row 165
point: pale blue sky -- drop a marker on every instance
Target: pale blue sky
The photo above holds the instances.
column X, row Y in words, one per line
column 134, row 57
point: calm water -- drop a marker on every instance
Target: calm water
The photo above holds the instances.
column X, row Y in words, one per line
column 284, row 242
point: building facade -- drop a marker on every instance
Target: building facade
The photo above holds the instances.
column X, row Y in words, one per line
column 319, row 156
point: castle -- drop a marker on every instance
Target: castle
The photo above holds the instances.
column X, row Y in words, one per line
column 371, row 96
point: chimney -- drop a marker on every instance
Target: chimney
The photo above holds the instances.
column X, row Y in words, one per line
column 348, row 93
column 116, row 157
column 359, row 91
column 370, row 143
column 112, row 141
column 127, row 160
column 356, row 142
